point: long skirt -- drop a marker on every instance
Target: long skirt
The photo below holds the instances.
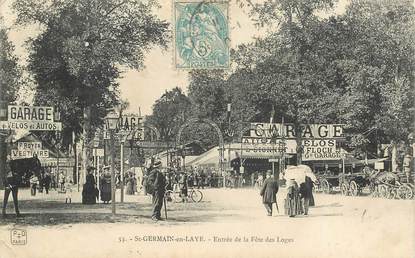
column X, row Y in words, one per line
column 105, row 192
column 293, row 206
column 129, row 188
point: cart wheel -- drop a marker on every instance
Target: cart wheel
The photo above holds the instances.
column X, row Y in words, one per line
column 354, row 189
column 404, row 192
column 325, row 186
column 383, row 191
column 344, row 188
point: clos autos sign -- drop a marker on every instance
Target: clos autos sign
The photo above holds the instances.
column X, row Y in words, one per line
column 30, row 118
column 289, row 131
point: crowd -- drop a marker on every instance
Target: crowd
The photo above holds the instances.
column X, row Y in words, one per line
column 155, row 181
column 298, row 199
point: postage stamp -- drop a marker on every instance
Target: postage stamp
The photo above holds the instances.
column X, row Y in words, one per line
column 201, row 34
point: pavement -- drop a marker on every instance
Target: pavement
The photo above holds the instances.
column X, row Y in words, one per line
column 227, row 223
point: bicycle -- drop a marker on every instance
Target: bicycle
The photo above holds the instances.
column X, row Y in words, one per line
column 176, row 196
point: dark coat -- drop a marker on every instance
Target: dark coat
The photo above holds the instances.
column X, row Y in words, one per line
column 105, row 188
column 89, row 194
column 306, row 190
column 159, row 185
column 269, row 190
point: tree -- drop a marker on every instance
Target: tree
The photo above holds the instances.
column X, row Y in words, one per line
column 77, row 58
column 10, row 82
column 170, row 111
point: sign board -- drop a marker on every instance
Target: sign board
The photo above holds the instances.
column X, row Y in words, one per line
column 273, row 160
column 130, row 123
column 318, row 149
column 309, row 131
column 33, row 118
column 379, row 165
column 147, row 144
column 31, row 126
column 29, row 145
column 98, row 152
column 22, row 154
column 29, row 113
column 254, row 144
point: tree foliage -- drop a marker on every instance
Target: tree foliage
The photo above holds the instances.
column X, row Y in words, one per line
column 170, row 111
column 10, row 71
column 79, row 54
column 355, row 68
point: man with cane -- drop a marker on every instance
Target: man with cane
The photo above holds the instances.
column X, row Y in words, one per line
column 269, row 193
column 156, row 185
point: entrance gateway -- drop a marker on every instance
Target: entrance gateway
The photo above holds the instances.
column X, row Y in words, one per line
column 212, row 124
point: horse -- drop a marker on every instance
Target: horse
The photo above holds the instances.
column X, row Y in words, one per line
column 19, row 168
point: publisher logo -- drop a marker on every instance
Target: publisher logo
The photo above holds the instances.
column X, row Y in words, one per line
column 18, row 236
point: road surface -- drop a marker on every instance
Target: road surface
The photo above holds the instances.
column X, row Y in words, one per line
column 227, row 223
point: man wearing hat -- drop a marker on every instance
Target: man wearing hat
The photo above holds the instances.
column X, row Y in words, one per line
column 269, row 192
column 156, row 183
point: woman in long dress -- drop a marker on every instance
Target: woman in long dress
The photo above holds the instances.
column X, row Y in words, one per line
column 105, row 186
column 293, row 205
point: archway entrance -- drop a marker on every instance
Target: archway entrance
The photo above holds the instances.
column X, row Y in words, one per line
column 214, row 126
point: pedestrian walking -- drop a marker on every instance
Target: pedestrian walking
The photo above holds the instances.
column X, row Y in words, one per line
column 156, row 185
column 105, row 185
column 269, row 192
column 306, row 192
column 129, row 189
column 292, row 203
column 61, row 181
column 89, row 191
column 68, row 191
column 11, row 184
column 34, row 181
column 46, row 182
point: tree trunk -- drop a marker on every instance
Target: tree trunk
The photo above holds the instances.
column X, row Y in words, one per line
column 85, row 143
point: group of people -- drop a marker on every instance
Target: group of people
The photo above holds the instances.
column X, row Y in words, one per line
column 90, row 191
column 298, row 199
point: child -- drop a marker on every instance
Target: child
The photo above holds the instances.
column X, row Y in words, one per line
column 68, row 190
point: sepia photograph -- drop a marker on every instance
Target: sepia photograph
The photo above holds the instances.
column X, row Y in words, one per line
column 207, row 128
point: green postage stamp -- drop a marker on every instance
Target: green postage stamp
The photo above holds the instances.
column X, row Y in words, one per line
column 201, row 34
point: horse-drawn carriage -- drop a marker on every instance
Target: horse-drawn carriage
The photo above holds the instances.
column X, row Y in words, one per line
column 348, row 184
column 378, row 184
column 391, row 185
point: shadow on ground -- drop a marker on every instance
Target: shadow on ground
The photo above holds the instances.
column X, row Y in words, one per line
column 54, row 212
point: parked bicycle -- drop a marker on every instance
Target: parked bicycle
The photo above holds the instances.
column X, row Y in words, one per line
column 176, row 196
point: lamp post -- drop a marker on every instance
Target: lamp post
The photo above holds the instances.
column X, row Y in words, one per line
column 112, row 123
column 123, row 138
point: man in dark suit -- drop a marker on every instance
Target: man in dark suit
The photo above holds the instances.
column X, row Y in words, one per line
column 269, row 192
column 306, row 192
column 159, row 188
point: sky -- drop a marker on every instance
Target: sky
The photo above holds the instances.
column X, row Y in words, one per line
column 143, row 88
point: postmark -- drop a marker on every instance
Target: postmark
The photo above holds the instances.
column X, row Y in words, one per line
column 18, row 236
column 201, row 34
